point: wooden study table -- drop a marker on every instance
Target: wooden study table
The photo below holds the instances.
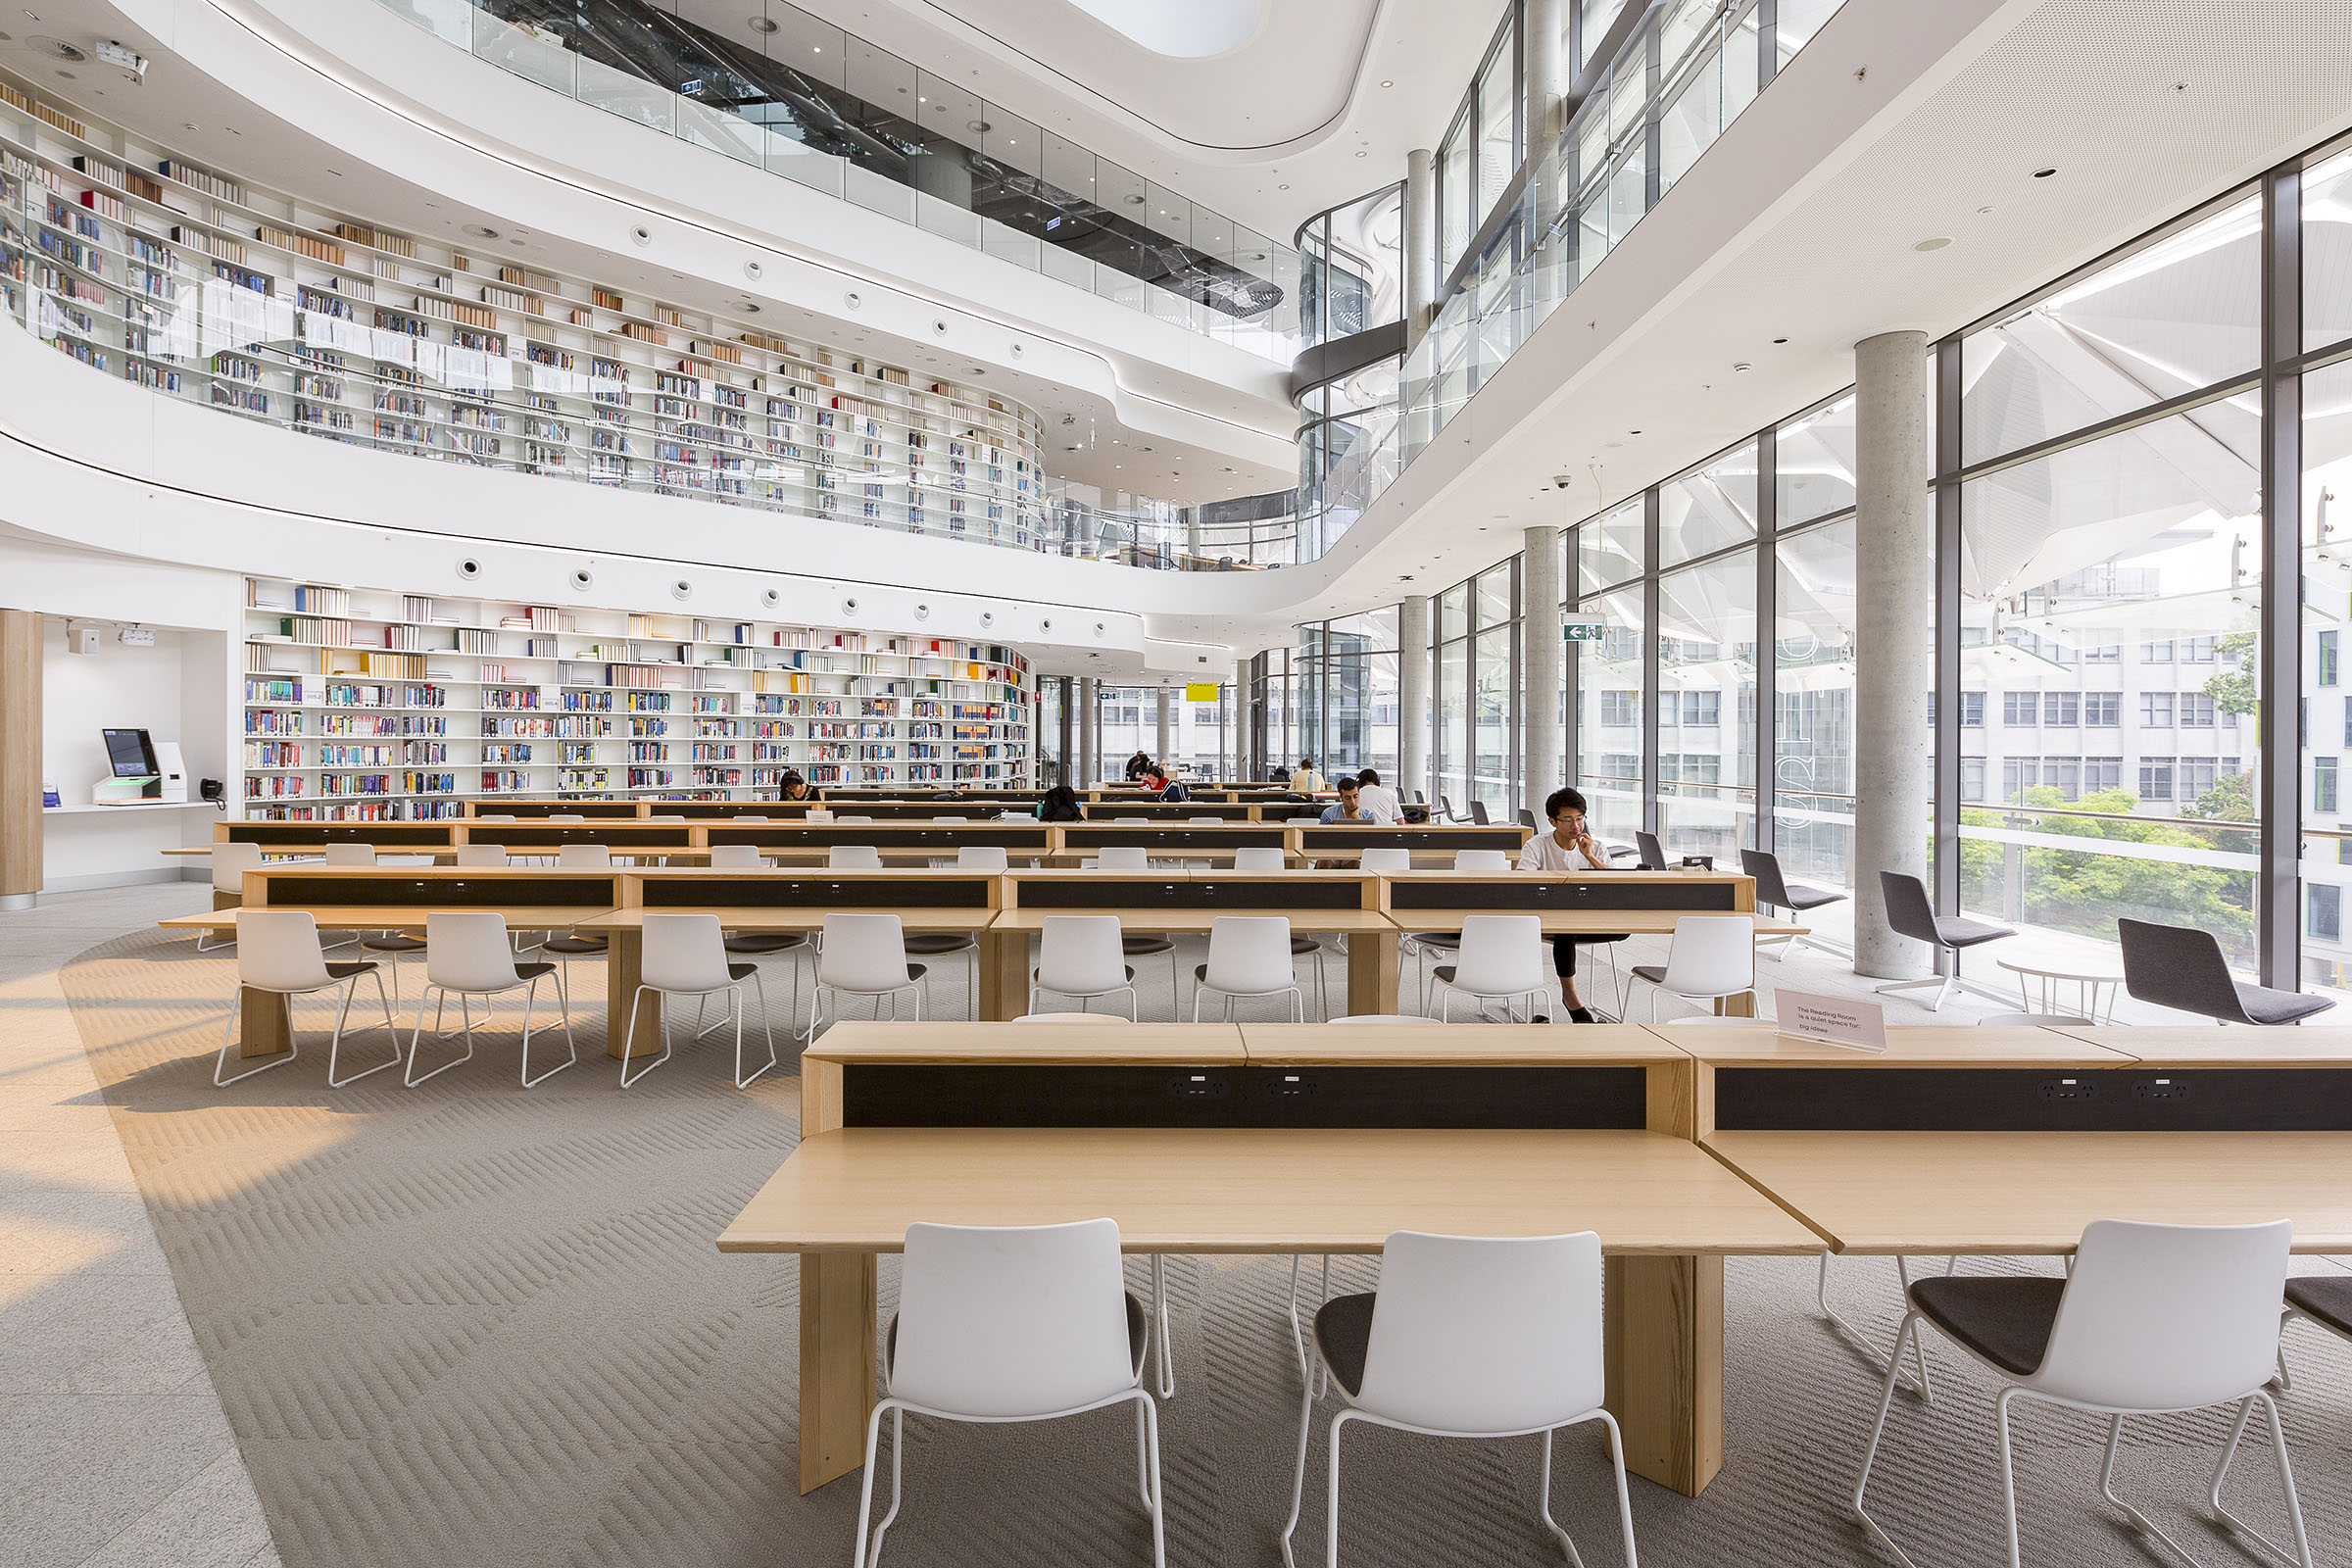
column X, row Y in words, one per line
column 945, row 900
column 399, row 898
column 2011, row 1139
column 1197, row 1140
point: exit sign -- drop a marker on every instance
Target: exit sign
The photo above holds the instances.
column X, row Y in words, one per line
column 1583, row 630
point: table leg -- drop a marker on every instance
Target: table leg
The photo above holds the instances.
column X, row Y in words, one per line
column 1372, row 973
column 625, row 969
column 837, row 1363
column 1003, row 974
column 1663, row 1333
column 226, row 901
column 262, row 1023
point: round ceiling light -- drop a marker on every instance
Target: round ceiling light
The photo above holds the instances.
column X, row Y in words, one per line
column 764, row 24
column 480, row 231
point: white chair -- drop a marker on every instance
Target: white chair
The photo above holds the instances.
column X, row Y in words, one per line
column 230, row 863
column 853, row 858
column 1712, row 957
column 670, row 818
column 2154, row 1320
column 563, row 817
column 981, row 858
column 1501, row 957
column 1481, row 860
column 751, row 820
column 1248, row 955
column 737, row 858
column 866, row 954
column 465, row 952
column 497, row 816
column 278, row 952
column 583, row 858
column 1270, row 857
column 1130, row 821
column 846, row 821
column 1468, row 1337
column 1384, row 859
column 950, row 821
column 1419, row 944
column 1260, row 858
column 1205, row 821
column 479, row 855
column 1079, row 955
column 347, row 854
column 686, row 955
column 1072, row 1018
column 1120, row 857
column 1003, row 1325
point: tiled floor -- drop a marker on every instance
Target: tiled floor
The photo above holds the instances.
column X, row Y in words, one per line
column 113, row 1450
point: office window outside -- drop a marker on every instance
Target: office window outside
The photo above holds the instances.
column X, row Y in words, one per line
column 2323, row 784
column 2156, row 711
column 2102, row 709
column 2325, row 913
column 2061, row 708
column 2021, row 709
column 1972, row 709
column 2324, row 660
column 2156, row 778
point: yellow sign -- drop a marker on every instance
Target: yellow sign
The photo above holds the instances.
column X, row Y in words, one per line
column 1200, row 691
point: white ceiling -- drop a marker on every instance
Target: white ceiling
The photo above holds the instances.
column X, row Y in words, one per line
column 1319, row 105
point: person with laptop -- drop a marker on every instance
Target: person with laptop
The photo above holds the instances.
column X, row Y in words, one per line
column 1385, row 805
column 1568, row 847
column 1348, row 808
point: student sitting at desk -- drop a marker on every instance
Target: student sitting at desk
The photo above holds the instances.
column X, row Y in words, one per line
column 1568, row 847
column 1349, row 805
column 1061, row 804
column 797, row 788
column 1383, row 804
column 1306, row 781
column 1137, row 765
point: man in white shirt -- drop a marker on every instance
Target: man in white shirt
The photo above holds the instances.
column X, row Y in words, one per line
column 1568, row 847
column 1377, row 799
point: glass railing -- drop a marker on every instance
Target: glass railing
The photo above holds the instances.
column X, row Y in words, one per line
column 198, row 287
column 794, row 105
column 1580, row 200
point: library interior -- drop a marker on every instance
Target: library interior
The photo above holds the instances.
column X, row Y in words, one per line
column 1239, row 898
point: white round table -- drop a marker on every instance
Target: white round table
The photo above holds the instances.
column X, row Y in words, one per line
column 2087, row 981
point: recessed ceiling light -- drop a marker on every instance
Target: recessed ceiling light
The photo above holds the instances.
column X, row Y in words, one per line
column 1387, row 84
column 763, row 23
column 1935, row 243
column 2044, row 174
column 189, row 124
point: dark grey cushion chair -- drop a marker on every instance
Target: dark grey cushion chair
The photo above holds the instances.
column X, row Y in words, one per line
column 1777, row 891
column 1911, row 913
column 1654, row 854
column 2180, row 966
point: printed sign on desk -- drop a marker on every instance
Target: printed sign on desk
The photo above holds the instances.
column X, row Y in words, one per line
column 1831, row 1020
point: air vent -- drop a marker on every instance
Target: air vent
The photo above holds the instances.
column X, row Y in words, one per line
column 56, row 49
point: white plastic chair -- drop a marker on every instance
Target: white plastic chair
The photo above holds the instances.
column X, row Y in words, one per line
column 563, row 817
column 1384, row 859
column 1248, row 955
column 1258, row 858
column 686, row 955
column 1004, row 1325
column 981, row 858
column 1079, row 955
column 1205, row 821
column 497, row 816
column 737, row 858
column 1072, row 1018
column 230, row 863
column 1481, row 860
column 1501, row 957
column 1121, row 857
column 1468, row 1337
column 278, row 952
column 950, row 821
column 465, row 952
column 2154, row 1320
column 583, row 858
column 1712, row 957
column 479, row 855
column 668, row 818
column 1419, row 944
column 853, row 858
column 866, row 954
column 347, row 854
column 1130, row 821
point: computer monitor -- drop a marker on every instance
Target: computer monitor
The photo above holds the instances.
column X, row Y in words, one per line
column 130, row 753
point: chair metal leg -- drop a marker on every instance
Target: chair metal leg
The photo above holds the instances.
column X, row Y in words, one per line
column 1164, row 1348
column 759, row 985
column 1544, row 1508
column 530, row 994
column 1331, row 1503
column 628, row 1037
column 1918, row 1382
column 416, row 1039
column 229, row 1036
column 391, row 1027
column 1306, row 1425
column 2301, row 1554
column 868, row 1551
column 1878, row 1429
column 1157, row 1505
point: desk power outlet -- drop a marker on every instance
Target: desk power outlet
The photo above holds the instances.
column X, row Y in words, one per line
column 2160, row 1089
column 1197, row 1086
column 2068, row 1089
column 1291, row 1086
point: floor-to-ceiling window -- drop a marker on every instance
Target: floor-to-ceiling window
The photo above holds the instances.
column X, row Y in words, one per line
column 1451, row 741
column 1494, row 690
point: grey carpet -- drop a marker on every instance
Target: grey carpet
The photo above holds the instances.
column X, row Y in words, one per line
column 469, row 1324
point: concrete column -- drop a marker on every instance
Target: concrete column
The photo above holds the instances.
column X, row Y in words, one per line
column 944, row 171
column 20, row 824
column 1894, row 665
column 1066, row 701
column 1089, row 765
column 1544, row 50
column 1541, row 769
column 1166, row 702
column 1420, row 242
column 1413, row 712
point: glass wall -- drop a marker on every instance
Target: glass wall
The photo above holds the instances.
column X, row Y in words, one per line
column 1348, row 698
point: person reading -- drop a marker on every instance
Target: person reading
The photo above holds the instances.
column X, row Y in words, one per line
column 1349, row 805
column 1383, row 804
column 1306, row 781
column 1568, row 847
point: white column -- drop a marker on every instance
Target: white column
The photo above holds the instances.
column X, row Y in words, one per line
column 1161, row 756
column 1547, row 71
column 1420, row 242
column 1413, row 712
column 1894, row 665
column 1089, row 761
column 1540, row 771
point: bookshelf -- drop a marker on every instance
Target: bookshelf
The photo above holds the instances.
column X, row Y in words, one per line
column 365, row 705
column 204, row 286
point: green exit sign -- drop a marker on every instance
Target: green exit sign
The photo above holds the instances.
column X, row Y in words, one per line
column 1583, row 630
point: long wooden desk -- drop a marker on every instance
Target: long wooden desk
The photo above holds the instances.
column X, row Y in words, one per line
column 1269, row 1138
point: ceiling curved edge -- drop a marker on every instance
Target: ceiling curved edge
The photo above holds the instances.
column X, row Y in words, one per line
column 330, row 70
column 1295, row 142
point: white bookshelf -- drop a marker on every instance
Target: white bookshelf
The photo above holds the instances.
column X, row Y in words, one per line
column 378, row 705
column 205, row 286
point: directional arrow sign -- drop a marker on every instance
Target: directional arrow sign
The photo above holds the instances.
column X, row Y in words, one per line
column 1583, row 629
